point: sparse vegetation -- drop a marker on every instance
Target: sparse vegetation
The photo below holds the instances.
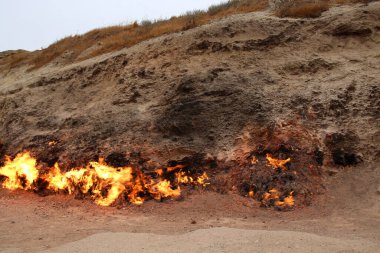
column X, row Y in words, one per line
column 104, row 40
column 303, row 9
column 307, row 8
column 100, row 41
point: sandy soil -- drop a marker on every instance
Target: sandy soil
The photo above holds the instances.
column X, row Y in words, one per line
column 200, row 91
column 347, row 218
column 217, row 240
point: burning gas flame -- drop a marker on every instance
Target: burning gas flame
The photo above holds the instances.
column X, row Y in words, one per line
column 52, row 143
column 277, row 163
column 20, row 172
column 254, row 160
column 103, row 183
column 275, row 195
column 107, row 185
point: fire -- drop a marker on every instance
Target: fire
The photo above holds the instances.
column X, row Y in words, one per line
column 103, row 183
column 107, row 185
column 254, row 160
column 275, row 196
column 202, row 180
column 288, row 201
column 277, row 163
column 164, row 189
column 182, row 178
column 57, row 180
column 20, row 172
column 52, row 143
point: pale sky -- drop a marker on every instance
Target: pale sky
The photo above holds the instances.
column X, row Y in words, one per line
column 33, row 24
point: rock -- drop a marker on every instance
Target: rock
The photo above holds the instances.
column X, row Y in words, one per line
column 351, row 30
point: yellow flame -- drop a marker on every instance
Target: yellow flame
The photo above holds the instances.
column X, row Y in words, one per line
column 182, row 178
column 20, row 172
column 254, row 160
column 164, row 189
column 275, row 195
column 56, row 179
column 288, row 201
column 98, row 180
column 202, row 179
column 52, row 143
column 277, row 163
column 112, row 195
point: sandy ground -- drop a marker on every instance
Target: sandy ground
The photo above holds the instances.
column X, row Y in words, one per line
column 344, row 219
column 216, row 240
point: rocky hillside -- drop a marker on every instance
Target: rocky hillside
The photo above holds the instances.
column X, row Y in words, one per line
column 219, row 89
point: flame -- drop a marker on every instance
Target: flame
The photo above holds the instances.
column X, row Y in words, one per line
column 275, row 195
column 106, row 184
column 57, row 180
column 52, row 143
column 288, row 201
column 183, row 178
column 254, row 160
column 103, row 183
column 277, row 163
column 202, row 180
column 177, row 167
column 20, row 172
column 159, row 171
column 164, row 189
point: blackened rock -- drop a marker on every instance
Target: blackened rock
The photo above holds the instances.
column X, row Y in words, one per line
column 341, row 157
column 319, row 156
column 116, row 159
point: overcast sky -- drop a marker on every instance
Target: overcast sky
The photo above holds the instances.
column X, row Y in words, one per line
column 33, row 24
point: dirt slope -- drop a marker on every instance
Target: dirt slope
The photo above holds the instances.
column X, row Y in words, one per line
column 197, row 91
column 217, row 89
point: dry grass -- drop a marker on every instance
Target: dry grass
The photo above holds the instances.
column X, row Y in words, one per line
column 100, row 41
column 104, row 40
column 14, row 60
column 310, row 9
column 303, row 9
column 352, row 1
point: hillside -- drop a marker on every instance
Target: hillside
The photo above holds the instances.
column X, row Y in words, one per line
column 177, row 90
column 226, row 92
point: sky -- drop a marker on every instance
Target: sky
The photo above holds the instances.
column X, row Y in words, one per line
column 35, row 24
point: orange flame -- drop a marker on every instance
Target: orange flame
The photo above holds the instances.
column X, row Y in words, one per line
column 288, row 201
column 275, row 195
column 277, row 163
column 182, row 178
column 103, row 183
column 52, row 143
column 254, row 160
